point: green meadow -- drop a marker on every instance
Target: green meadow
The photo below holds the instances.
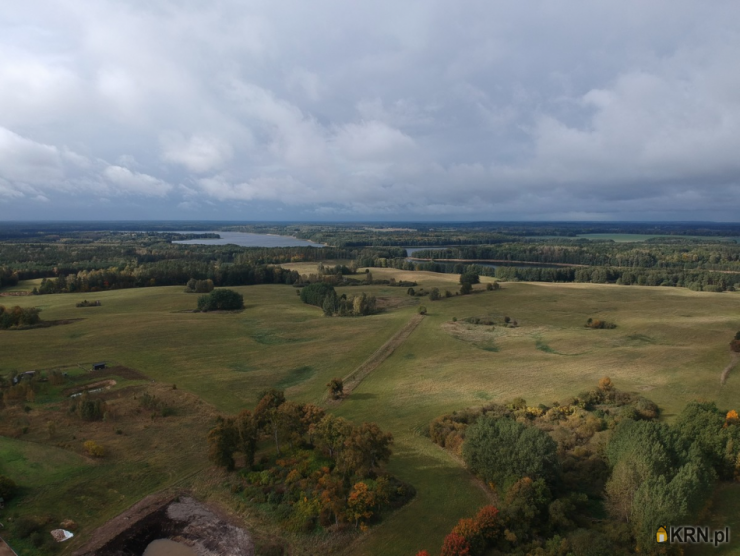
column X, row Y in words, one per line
column 670, row 344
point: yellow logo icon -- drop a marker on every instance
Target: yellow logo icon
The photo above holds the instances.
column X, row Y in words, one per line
column 662, row 535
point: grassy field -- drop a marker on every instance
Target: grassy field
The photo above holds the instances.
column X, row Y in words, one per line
column 669, row 344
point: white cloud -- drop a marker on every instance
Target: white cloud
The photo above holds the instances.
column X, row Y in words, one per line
column 135, row 183
column 200, row 153
column 26, row 161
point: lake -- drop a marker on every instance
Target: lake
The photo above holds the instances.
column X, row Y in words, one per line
column 245, row 239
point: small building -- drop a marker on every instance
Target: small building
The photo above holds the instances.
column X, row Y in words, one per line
column 98, row 366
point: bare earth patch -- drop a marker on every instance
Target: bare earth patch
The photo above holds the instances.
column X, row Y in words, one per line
column 182, row 519
column 480, row 332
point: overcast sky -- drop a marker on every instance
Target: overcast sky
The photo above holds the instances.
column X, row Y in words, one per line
column 384, row 110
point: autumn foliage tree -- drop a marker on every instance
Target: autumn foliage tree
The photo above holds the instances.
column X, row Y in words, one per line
column 223, row 441
column 360, row 503
column 732, row 418
column 455, row 545
column 473, row 536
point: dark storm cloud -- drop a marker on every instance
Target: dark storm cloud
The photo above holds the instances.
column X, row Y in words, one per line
column 424, row 110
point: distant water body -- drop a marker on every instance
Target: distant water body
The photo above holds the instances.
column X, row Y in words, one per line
column 244, row 239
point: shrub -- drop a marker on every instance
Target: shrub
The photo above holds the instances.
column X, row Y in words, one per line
column 222, row 300
column 597, row 324
column 26, row 526
column 88, row 409
column 199, row 286
column 422, row 310
column 336, row 388
column 94, row 449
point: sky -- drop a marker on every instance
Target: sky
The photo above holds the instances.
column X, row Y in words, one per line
column 332, row 110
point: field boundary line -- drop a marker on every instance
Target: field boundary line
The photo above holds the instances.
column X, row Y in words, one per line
column 353, row 379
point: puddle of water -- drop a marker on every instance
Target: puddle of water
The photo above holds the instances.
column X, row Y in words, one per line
column 166, row 547
column 96, row 390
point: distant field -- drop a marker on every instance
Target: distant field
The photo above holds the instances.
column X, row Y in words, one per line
column 627, row 238
column 670, row 344
column 23, row 286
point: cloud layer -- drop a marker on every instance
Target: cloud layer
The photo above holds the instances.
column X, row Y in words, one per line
column 328, row 109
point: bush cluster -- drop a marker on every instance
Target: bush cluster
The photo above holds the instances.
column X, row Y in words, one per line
column 598, row 324
column 221, row 300
column 551, row 465
column 19, row 317
column 325, row 470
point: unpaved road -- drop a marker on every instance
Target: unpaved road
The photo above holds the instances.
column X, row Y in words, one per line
column 728, row 368
column 352, row 380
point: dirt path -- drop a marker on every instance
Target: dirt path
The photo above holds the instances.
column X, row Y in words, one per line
column 5, row 549
column 728, row 368
column 353, row 380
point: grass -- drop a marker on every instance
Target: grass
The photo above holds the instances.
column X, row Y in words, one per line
column 670, row 344
column 725, row 511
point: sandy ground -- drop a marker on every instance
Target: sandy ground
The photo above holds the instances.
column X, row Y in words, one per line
column 5, row 549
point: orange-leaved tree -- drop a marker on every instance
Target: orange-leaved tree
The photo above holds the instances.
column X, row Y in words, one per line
column 455, row 545
column 732, row 418
column 360, row 503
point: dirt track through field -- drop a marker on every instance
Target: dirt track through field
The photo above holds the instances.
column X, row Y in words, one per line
column 353, row 380
column 728, row 368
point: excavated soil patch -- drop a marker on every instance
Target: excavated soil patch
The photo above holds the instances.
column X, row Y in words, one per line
column 184, row 520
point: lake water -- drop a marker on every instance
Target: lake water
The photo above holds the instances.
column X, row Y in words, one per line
column 166, row 547
column 411, row 250
column 245, row 239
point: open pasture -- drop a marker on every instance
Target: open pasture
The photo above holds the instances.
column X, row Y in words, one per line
column 669, row 344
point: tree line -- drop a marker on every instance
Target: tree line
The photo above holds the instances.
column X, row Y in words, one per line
column 684, row 254
column 167, row 273
column 697, row 280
